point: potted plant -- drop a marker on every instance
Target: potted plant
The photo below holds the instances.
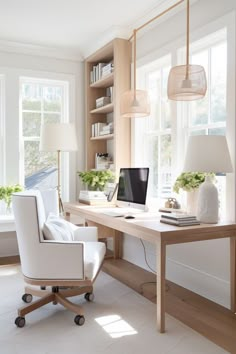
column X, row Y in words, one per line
column 6, row 193
column 190, row 182
column 96, row 180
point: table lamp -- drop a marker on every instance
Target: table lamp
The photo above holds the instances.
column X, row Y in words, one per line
column 58, row 137
column 207, row 153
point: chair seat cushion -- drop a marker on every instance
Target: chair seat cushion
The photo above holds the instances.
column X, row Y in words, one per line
column 94, row 253
column 56, row 228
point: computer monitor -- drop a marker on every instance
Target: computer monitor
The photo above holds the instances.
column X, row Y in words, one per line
column 132, row 187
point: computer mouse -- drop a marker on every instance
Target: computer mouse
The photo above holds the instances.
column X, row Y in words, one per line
column 129, row 217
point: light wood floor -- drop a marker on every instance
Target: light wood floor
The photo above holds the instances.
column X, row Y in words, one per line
column 213, row 321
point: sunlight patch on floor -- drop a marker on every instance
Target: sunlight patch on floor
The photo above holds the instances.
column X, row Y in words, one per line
column 115, row 326
column 7, row 271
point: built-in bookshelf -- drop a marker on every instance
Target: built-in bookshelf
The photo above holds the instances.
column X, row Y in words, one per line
column 107, row 78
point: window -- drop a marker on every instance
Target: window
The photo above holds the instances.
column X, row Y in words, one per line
column 42, row 101
column 153, row 135
column 2, row 132
column 160, row 140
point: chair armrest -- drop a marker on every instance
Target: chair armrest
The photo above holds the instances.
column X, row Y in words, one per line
column 86, row 234
column 56, row 260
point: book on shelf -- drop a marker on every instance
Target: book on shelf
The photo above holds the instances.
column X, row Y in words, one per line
column 102, row 101
column 97, row 128
column 107, row 69
column 96, row 72
column 109, row 92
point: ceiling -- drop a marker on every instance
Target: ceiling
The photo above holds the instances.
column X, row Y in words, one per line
column 75, row 26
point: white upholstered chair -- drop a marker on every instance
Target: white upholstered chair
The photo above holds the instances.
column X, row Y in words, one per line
column 63, row 265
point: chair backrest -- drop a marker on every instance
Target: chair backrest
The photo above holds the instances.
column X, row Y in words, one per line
column 29, row 214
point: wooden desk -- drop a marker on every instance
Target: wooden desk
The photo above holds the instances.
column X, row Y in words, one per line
column 146, row 226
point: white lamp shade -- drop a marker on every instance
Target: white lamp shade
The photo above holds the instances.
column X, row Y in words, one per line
column 58, row 136
column 207, row 153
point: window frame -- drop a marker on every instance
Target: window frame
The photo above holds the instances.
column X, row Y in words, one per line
column 65, row 159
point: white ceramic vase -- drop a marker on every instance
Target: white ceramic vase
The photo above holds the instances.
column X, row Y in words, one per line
column 208, row 204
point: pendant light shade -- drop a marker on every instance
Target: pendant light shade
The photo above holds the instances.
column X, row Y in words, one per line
column 135, row 104
column 187, row 83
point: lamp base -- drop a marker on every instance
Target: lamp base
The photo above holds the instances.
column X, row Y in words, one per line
column 208, row 208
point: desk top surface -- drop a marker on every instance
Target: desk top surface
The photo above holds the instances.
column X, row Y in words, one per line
column 147, row 226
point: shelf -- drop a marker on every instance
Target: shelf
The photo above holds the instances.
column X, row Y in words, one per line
column 104, row 82
column 103, row 137
column 108, row 108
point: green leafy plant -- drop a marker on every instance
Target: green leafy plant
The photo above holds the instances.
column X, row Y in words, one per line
column 188, row 181
column 96, row 180
column 6, row 193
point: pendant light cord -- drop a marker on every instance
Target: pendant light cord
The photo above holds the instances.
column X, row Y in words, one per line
column 135, row 33
column 187, row 42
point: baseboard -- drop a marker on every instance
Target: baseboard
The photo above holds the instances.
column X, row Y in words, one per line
column 204, row 284
column 9, row 260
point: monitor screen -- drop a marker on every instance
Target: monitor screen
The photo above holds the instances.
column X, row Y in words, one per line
column 132, row 187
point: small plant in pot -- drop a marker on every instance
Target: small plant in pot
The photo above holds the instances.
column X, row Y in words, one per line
column 6, row 193
column 96, row 180
column 190, row 181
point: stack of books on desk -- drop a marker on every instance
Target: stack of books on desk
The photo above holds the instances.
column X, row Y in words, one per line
column 178, row 219
column 92, row 197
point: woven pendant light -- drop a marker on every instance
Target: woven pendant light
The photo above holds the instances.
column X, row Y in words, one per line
column 187, row 82
column 135, row 103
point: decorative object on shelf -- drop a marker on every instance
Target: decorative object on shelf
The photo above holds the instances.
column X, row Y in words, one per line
column 6, row 195
column 187, row 82
column 208, row 153
column 190, row 182
column 58, row 137
column 135, row 103
column 102, row 161
column 96, row 180
column 102, row 101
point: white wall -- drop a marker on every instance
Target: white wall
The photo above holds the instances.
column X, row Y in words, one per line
column 13, row 65
column 203, row 267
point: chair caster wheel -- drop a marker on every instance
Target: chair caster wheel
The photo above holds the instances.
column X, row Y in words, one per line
column 27, row 298
column 20, row 322
column 89, row 296
column 79, row 320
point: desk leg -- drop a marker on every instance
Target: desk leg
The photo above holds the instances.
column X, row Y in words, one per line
column 233, row 273
column 67, row 216
column 117, row 239
column 161, row 265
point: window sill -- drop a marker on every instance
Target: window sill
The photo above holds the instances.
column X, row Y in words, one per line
column 7, row 223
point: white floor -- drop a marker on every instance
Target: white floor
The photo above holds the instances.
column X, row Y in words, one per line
column 119, row 321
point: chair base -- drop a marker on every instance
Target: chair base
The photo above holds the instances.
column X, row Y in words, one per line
column 56, row 295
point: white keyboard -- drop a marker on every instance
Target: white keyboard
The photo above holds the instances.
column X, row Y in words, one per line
column 118, row 212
